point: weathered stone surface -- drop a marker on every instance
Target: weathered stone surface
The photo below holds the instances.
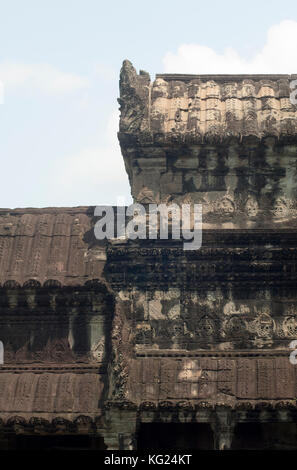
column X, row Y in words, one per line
column 226, row 142
column 49, row 244
column 49, row 395
column 199, row 108
column 102, row 337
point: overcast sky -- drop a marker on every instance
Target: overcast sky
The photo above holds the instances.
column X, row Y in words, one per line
column 60, row 63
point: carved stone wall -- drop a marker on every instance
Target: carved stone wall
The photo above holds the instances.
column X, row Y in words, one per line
column 52, row 324
column 213, row 323
column 226, row 142
column 100, row 337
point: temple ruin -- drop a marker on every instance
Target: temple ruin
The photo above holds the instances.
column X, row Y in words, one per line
column 138, row 344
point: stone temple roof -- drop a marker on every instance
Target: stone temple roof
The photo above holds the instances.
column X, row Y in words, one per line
column 58, row 362
column 46, row 394
column 58, row 243
column 49, row 244
column 203, row 107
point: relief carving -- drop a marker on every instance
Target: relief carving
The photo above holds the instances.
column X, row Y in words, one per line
column 263, row 327
column 282, row 208
column 206, row 327
column 147, row 196
column 97, row 352
column 55, row 351
column 225, row 206
column 289, row 327
column 230, row 309
column 251, row 206
column 235, row 327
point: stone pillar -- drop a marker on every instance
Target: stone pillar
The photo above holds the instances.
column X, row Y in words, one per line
column 120, row 441
column 120, row 429
column 127, row 441
column 111, row 440
column 223, row 429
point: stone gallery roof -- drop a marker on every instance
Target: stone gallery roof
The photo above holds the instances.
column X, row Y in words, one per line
column 51, row 247
column 201, row 107
column 67, row 394
column 48, row 244
column 214, row 379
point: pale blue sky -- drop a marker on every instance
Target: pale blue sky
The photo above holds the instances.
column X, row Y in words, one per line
column 60, row 63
